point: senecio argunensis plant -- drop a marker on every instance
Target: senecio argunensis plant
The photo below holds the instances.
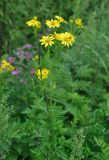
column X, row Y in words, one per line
column 52, row 37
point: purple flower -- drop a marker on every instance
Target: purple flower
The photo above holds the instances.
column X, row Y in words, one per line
column 27, row 46
column 15, row 72
column 21, row 54
column 11, row 60
column 33, row 71
column 28, row 55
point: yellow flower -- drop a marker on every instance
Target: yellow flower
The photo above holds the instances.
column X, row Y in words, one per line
column 34, row 23
column 56, row 36
column 78, row 22
column 52, row 23
column 67, row 39
column 47, row 40
column 60, row 19
column 6, row 66
column 36, row 57
column 42, row 74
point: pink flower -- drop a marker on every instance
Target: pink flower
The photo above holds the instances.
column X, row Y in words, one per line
column 11, row 60
column 27, row 46
column 21, row 54
column 28, row 55
column 15, row 72
column 33, row 71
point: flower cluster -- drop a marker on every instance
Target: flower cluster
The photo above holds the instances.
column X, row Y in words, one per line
column 6, row 66
column 34, row 23
column 25, row 52
column 17, row 63
column 42, row 73
column 66, row 39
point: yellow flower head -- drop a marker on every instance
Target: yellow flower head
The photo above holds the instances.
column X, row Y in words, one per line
column 78, row 22
column 52, row 23
column 47, row 40
column 6, row 66
column 42, row 74
column 60, row 19
column 67, row 39
column 36, row 57
column 56, row 36
column 34, row 23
